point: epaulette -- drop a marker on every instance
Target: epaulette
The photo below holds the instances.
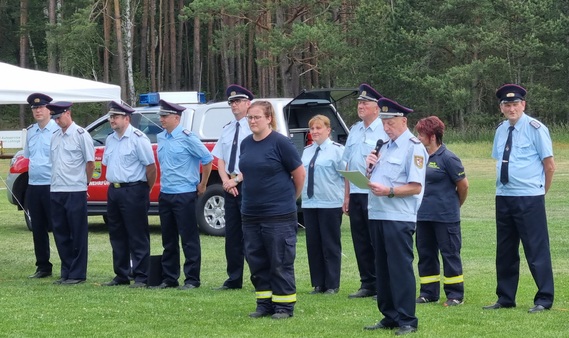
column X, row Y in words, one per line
column 415, row 140
column 30, row 127
column 187, row 132
column 80, row 130
column 228, row 123
column 308, row 146
column 336, row 144
column 535, row 124
column 138, row 133
column 499, row 124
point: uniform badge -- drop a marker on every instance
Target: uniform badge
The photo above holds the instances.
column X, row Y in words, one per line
column 80, row 130
column 233, row 93
column 419, row 161
column 138, row 133
column 187, row 132
column 535, row 124
column 385, row 109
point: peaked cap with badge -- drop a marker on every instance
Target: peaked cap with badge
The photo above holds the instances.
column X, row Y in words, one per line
column 367, row 93
column 38, row 99
column 511, row 93
column 167, row 108
column 116, row 108
column 236, row 92
column 58, row 108
column 389, row 109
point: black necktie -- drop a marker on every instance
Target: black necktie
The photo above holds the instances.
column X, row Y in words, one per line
column 506, row 158
column 233, row 149
column 310, row 188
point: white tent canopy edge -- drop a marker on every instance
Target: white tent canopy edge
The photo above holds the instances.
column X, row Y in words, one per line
column 17, row 83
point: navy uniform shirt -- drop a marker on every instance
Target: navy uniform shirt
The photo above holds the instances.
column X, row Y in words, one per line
column 401, row 162
column 360, row 143
column 222, row 148
column 531, row 144
column 179, row 156
column 70, row 152
column 126, row 158
column 328, row 183
column 440, row 200
column 37, row 149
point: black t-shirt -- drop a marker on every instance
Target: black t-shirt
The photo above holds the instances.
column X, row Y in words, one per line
column 266, row 165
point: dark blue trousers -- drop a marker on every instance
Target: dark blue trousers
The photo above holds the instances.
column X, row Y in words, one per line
column 522, row 218
column 270, row 247
column 362, row 239
column 395, row 276
column 432, row 238
column 38, row 203
column 127, row 214
column 324, row 246
column 234, row 251
column 70, row 230
column 178, row 221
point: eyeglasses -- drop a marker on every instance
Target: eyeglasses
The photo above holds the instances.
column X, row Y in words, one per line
column 238, row 101
column 254, row 117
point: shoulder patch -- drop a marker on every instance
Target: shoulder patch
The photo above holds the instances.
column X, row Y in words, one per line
column 336, row 144
column 138, row 133
column 535, row 124
column 80, row 130
column 187, row 132
column 30, row 126
column 499, row 124
column 415, row 140
column 228, row 123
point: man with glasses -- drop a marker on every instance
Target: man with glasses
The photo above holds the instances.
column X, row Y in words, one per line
column 227, row 151
column 72, row 157
column 180, row 153
column 36, row 149
column 131, row 172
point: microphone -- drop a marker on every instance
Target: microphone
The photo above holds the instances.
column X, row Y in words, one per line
column 378, row 146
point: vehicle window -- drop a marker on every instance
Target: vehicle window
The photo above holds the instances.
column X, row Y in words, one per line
column 212, row 122
column 150, row 125
column 100, row 133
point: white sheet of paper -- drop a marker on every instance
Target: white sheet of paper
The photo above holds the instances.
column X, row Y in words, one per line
column 356, row 177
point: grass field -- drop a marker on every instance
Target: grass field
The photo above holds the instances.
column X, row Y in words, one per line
column 37, row 308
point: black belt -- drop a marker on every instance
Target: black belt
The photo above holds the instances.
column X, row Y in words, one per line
column 130, row 184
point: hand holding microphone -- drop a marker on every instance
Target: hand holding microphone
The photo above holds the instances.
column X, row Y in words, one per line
column 374, row 155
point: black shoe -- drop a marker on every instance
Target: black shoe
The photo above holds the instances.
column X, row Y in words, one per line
column 115, row 283
column 496, row 306
column 331, row 291
column 379, row 326
column 316, row 290
column 281, row 314
column 362, row 293
column 425, row 300
column 375, row 297
column 259, row 314
column 163, row 286
column 405, row 330
column 138, row 285
column 225, row 287
column 59, row 281
column 72, row 281
column 187, row 287
column 40, row 274
column 537, row 308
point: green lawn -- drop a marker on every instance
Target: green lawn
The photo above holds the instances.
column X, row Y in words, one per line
column 36, row 308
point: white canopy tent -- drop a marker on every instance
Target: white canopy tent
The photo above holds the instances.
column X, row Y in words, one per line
column 17, row 83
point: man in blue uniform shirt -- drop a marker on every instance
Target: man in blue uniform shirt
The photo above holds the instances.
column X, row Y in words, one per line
column 131, row 172
column 72, row 157
column 525, row 166
column 227, row 152
column 396, row 185
column 179, row 154
column 361, row 141
column 36, row 149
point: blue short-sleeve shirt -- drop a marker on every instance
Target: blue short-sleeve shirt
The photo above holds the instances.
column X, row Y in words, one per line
column 37, row 149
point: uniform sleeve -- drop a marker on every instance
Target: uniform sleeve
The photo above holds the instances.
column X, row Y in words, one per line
column 26, row 146
column 543, row 143
column 495, row 151
column 417, row 165
column 145, row 153
column 87, row 146
column 454, row 167
column 198, row 149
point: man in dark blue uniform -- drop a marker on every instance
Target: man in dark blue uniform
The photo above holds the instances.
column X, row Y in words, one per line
column 227, row 152
column 36, row 149
column 525, row 166
column 72, row 158
column 180, row 153
column 131, row 172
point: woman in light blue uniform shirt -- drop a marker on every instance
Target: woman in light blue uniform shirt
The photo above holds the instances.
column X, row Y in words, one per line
column 322, row 198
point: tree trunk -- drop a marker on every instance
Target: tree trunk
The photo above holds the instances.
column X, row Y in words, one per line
column 51, row 43
column 144, row 45
column 172, row 32
column 128, row 27
column 107, row 28
column 120, row 50
column 152, row 48
column 23, row 50
column 196, row 83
